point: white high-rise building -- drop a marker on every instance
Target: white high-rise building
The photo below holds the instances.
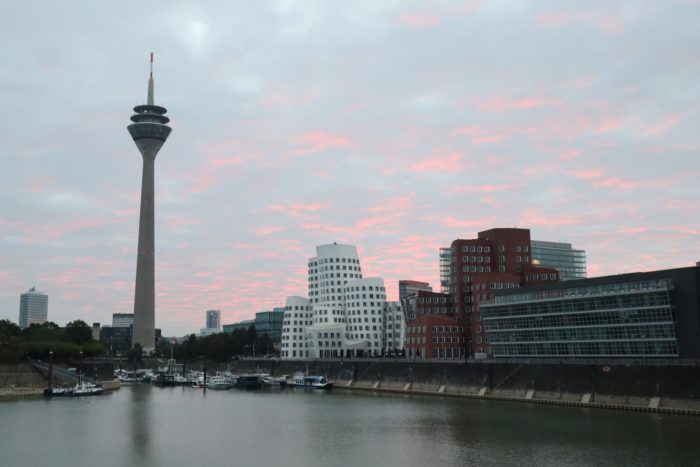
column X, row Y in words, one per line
column 297, row 316
column 33, row 308
column 346, row 310
column 394, row 330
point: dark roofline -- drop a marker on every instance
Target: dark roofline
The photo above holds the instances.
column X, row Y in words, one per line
column 601, row 280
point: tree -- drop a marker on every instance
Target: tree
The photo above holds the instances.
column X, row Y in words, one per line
column 78, row 332
column 8, row 329
column 48, row 331
column 264, row 344
column 135, row 354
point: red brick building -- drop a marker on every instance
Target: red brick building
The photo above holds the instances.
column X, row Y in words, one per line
column 435, row 337
column 496, row 259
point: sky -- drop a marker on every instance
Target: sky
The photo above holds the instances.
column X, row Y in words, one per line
column 395, row 126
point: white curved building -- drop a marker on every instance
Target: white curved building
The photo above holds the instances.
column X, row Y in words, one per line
column 297, row 317
column 347, row 310
column 365, row 315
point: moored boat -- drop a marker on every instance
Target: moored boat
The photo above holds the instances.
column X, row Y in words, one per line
column 311, row 381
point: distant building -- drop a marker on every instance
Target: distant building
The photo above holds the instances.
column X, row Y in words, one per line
column 570, row 263
column 244, row 325
column 33, row 308
column 410, row 287
column 213, row 319
column 270, row 323
column 95, row 331
column 122, row 319
column 648, row 314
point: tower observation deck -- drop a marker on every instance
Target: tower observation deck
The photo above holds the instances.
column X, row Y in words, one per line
column 149, row 131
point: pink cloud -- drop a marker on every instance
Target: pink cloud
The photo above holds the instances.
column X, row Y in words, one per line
column 554, row 18
column 488, row 188
column 583, row 81
column 453, row 222
column 662, row 127
column 499, row 103
column 282, row 99
column 483, row 136
column 319, row 141
column 296, row 209
column 448, row 163
column 608, row 125
column 587, row 174
column 263, row 231
column 570, row 154
column 615, row 182
column 533, row 218
column 426, row 19
column 226, row 161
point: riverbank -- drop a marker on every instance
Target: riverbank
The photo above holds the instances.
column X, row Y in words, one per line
column 658, row 388
column 20, row 379
column 601, row 401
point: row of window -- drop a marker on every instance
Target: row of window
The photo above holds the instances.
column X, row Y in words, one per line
column 333, row 260
column 588, row 349
column 589, row 318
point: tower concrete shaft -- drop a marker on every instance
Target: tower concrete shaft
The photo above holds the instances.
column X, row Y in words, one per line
column 149, row 131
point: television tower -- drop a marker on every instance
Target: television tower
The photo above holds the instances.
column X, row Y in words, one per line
column 149, row 131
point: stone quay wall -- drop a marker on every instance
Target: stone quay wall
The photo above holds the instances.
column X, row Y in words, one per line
column 619, row 385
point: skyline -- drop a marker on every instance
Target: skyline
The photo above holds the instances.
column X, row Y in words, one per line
column 393, row 126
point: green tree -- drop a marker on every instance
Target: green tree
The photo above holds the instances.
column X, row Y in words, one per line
column 11, row 347
column 264, row 345
column 48, row 331
column 135, row 355
column 78, row 332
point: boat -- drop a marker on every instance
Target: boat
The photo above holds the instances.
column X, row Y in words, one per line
column 268, row 380
column 311, row 381
column 85, row 388
column 218, row 382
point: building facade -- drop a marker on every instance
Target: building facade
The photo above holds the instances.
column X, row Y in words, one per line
column 570, row 262
column 33, row 308
column 347, row 311
column 435, row 337
column 270, row 323
column 497, row 259
column 213, row 319
column 394, row 328
column 410, row 287
column 122, row 319
column 298, row 314
column 639, row 315
column 244, row 325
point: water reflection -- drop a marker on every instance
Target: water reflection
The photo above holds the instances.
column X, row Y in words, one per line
column 139, row 411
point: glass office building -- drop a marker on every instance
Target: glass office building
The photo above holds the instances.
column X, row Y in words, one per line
column 652, row 314
column 570, row 263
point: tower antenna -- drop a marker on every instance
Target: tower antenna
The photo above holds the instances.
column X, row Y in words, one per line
column 150, row 84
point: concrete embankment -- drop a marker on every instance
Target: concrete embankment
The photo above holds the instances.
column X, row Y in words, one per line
column 20, row 379
column 652, row 388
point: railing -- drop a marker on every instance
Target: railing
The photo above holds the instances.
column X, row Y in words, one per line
column 58, row 371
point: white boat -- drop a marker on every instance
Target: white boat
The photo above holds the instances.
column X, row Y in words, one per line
column 218, row 382
column 84, row 388
column 310, row 381
column 268, row 380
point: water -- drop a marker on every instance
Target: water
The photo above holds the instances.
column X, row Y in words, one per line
column 170, row 427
